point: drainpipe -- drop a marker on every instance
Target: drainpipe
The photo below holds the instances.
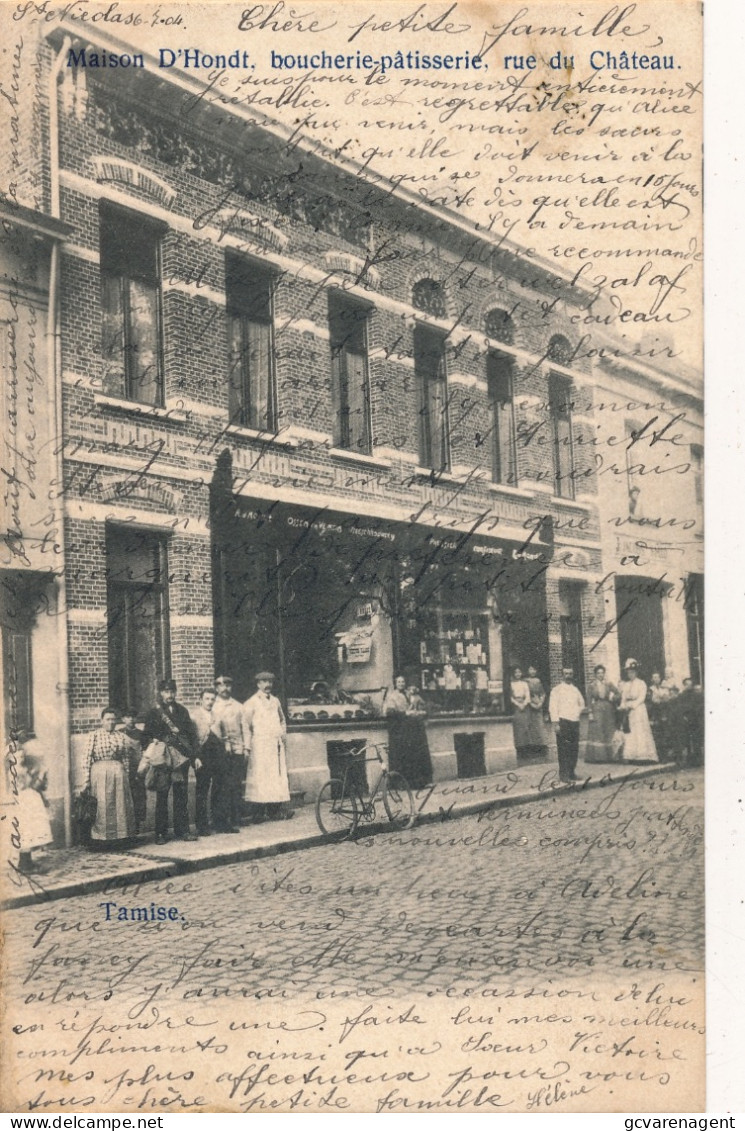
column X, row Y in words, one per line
column 54, row 391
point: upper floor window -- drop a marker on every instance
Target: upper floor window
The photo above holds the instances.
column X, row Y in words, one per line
column 429, row 297
column 349, row 374
column 499, row 377
column 559, row 350
column 431, row 376
column 130, row 302
column 248, row 291
column 560, row 408
column 500, row 327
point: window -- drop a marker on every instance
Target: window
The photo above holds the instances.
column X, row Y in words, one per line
column 349, row 375
column 18, row 683
column 570, row 620
column 499, row 377
column 560, row 408
column 130, row 303
column 137, row 609
column 499, row 327
column 429, row 366
column 429, row 297
column 252, row 397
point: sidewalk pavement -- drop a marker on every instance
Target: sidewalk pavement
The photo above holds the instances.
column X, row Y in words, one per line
column 75, row 871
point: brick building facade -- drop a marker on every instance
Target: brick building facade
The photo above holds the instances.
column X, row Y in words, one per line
column 307, row 422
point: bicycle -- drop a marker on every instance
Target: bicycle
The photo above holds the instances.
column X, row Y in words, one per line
column 341, row 805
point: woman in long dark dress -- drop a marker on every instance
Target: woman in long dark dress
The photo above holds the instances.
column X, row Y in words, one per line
column 408, row 749
column 419, row 763
column 602, row 697
column 537, row 729
column 107, row 779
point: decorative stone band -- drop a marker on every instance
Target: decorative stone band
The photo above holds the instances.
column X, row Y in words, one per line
column 87, row 616
column 112, row 169
column 468, row 380
column 363, row 273
column 191, row 620
column 285, row 323
column 84, row 253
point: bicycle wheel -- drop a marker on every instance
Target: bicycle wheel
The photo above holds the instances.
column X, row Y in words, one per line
column 399, row 804
column 335, row 813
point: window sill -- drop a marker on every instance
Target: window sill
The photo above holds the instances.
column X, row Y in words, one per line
column 430, row 474
column 514, row 492
column 562, row 500
column 359, row 457
column 136, row 408
column 274, row 438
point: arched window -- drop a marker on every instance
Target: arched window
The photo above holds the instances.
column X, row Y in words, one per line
column 500, row 327
column 559, row 350
column 429, row 297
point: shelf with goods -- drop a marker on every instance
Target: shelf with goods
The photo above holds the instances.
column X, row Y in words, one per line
column 454, row 660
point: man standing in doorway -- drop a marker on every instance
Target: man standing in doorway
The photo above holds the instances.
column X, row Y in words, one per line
column 565, row 706
column 227, row 804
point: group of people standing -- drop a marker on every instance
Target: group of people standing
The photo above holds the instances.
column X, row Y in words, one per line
column 630, row 723
column 237, row 752
column 640, row 723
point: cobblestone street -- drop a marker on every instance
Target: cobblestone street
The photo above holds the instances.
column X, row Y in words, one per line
column 577, row 889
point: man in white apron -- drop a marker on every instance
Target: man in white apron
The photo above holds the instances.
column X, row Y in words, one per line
column 264, row 726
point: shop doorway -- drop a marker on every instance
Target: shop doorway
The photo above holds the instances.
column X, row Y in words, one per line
column 640, row 630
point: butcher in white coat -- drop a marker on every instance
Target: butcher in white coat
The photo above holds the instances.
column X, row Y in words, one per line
column 265, row 730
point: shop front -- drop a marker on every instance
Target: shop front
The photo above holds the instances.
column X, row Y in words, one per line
column 339, row 605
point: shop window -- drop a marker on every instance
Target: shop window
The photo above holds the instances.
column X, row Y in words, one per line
column 349, row 375
column 499, row 377
column 429, row 365
column 131, row 305
column 499, row 327
column 252, row 399
column 18, row 683
column 570, row 620
column 455, row 662
column 429, row 297
column 137, row 607
column 560, row 408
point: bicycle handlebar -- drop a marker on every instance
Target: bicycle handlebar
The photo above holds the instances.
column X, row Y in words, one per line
column 361, row 755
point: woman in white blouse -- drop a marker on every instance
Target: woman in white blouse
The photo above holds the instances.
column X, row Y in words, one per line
column 638, row 744
column 520, row 700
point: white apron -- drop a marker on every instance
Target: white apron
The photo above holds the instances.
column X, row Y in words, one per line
column 266, row 777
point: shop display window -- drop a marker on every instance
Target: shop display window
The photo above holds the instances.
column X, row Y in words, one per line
column 455, row 666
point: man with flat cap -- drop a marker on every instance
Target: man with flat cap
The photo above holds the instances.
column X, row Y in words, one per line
column 170, row 722
column 264, row 725
column 228, row 783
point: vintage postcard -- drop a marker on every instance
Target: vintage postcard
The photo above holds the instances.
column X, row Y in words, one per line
column 352, row 556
